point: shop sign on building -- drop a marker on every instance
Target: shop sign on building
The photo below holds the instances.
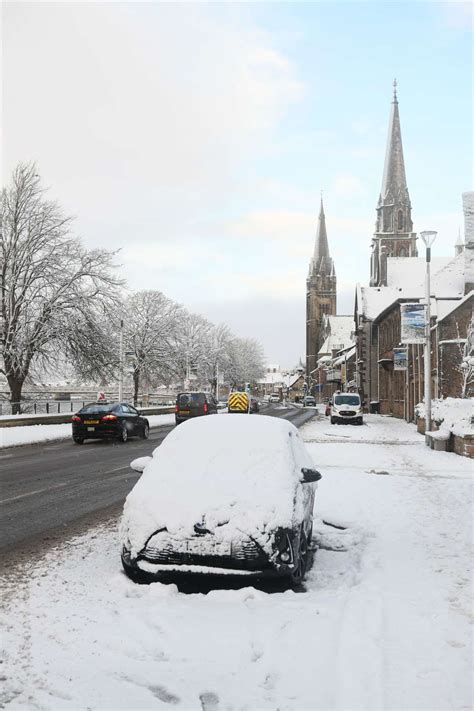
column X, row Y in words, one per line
column 399, row 358
column 413, row 321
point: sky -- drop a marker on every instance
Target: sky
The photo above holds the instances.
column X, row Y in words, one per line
column 196, row 138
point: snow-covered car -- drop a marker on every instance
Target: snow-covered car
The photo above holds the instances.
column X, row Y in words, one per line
column 346, row 407
column 222, row 495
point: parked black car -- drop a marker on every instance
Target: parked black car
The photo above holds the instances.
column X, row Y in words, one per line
column 194, row 404
column 116, row 420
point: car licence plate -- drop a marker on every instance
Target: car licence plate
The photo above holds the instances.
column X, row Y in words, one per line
column 203, row 546
column 91, row 429
column 91, row 422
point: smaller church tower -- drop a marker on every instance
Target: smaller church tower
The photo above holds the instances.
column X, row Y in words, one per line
column 320, row 293
column 394, row 236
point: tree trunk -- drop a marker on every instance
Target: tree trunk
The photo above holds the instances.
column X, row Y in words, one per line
column 16, row 386
column 136, row 383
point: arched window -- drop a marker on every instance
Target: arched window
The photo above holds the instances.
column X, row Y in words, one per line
column 400, row 219
column 402, row 252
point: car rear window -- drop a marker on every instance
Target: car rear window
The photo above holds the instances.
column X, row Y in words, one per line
column 347, row 400
column 191, row 399
column 89, row 409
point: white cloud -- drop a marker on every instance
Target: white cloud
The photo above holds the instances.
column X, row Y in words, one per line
column 457, row 14
column 138, row 109
column 348, row 186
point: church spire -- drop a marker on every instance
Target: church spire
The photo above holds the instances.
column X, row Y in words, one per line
column 394, row 236
column 321, row 248
column 394, row 181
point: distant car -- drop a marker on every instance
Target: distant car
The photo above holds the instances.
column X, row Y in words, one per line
column 274, row 397
column 222, row 495
column 254, row 406
column 309, row 401
column 194, row 404
column 102, row 420
column 346, row 407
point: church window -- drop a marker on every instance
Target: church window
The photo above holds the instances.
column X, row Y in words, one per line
column 400, row 219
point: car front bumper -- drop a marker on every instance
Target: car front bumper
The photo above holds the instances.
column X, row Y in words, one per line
column 245, row 561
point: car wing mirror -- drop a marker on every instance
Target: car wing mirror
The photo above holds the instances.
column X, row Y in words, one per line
column 140, row 463
column 310, row 475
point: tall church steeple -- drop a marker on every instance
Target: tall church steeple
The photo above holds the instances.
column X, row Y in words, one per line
column 321, row 262
column 320, row 292
column 394, row 236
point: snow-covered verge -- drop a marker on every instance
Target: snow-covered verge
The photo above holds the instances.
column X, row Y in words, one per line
column 31, row 434
column 385, row 622
column 451, row 414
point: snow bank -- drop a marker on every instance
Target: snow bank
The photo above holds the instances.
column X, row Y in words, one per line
column 452, row 414
column 239, row 472
column 31, row 434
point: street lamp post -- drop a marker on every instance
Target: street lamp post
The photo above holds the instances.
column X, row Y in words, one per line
column 120, row 388
column 428, row 238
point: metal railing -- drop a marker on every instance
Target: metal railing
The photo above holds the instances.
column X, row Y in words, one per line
column 58, row 407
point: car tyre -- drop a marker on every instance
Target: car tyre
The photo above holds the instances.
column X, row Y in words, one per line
column 145, row 432
column 297, row 576
column 78, row 440
column 123, row 434
column 333, row 421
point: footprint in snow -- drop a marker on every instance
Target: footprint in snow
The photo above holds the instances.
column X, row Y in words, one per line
column 209, row 701
column 164, row 695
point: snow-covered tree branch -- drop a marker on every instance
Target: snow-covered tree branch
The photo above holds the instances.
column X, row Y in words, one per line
column 51, row 288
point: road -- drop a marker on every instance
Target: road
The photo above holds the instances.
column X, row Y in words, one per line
column 52, row 489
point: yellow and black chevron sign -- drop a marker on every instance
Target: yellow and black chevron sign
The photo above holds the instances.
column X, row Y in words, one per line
column 238, row 402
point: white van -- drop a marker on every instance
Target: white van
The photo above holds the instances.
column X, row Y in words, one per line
column 346, row 407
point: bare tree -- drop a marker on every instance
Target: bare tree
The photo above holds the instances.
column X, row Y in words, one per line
column 150, row 332
column 49, row 284
column 218, row 354
column 247, row 361
column 192, row 343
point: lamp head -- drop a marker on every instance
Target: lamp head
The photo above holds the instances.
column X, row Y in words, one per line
column 428, row 237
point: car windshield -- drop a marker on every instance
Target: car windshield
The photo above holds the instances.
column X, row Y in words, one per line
column 346, row 400
column 89, row 409
column 191, row 398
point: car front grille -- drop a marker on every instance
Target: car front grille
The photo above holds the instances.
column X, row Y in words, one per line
column 349, row 413
column 242, row 554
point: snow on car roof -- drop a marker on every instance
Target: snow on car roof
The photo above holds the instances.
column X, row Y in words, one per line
column 237, row 468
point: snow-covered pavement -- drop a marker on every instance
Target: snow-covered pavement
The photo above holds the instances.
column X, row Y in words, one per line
column 385, row 623
column 32, row 434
